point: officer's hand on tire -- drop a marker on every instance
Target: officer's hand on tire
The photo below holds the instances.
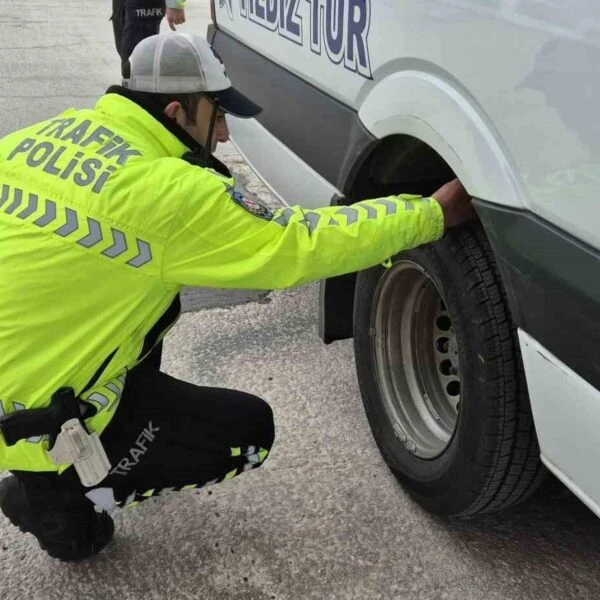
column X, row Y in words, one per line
column 175, row 16
column 456, row 204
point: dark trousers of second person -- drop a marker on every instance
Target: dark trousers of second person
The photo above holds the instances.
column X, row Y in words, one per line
column 133, row 21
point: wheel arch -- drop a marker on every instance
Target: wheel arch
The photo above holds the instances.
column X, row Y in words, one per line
column 428, row 130
column 395, row 164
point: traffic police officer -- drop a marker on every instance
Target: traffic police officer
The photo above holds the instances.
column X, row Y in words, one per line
column 135, row 20
column 105, row 214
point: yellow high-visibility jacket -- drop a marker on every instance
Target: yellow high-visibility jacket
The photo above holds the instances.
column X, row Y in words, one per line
column 102, row 223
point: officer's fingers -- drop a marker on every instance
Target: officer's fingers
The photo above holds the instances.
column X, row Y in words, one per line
column 172, row 24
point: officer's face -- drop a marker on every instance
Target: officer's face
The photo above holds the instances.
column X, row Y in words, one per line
column 199, row 125
column 203, row 116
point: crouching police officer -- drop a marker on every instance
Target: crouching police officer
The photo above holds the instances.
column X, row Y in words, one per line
column 104, row 215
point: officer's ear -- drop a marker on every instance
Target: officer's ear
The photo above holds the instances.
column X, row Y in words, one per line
column 173, row 110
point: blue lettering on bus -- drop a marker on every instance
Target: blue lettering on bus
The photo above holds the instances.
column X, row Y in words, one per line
column 339, row 26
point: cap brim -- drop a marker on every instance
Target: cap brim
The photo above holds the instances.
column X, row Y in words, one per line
column 235, row 103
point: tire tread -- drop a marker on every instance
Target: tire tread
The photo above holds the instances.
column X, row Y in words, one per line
column 516, row 471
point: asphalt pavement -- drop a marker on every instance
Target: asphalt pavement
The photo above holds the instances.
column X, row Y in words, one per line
column 324, row 518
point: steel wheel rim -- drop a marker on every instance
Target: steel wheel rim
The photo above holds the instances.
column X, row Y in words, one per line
column 416, row 359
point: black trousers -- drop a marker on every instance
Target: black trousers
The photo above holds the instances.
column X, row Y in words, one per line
column 133, row 21
column 171, row 435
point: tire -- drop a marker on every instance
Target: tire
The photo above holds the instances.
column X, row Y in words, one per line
column 441, row 377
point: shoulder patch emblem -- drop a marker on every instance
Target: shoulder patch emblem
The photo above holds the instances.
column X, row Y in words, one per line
column 252, row 206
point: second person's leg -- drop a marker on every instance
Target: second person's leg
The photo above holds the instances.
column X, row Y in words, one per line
column 142, row 19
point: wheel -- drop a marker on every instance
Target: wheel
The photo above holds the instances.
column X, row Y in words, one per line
column 441, row 377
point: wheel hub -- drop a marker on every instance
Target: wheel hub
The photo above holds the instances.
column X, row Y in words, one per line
column 417, row 359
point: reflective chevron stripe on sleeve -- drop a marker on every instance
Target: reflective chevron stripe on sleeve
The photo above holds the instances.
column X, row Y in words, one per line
column 344, row 215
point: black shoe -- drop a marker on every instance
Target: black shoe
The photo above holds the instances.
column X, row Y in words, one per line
column 65, row 523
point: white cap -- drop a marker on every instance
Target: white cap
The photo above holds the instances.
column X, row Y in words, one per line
column 182, row 63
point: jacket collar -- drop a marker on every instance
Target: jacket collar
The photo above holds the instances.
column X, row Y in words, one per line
column 188, row 148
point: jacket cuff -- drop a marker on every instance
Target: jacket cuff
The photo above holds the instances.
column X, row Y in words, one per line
column 439, row 218
column 176, row 3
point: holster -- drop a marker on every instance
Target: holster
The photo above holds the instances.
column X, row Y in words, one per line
column 23, row 424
